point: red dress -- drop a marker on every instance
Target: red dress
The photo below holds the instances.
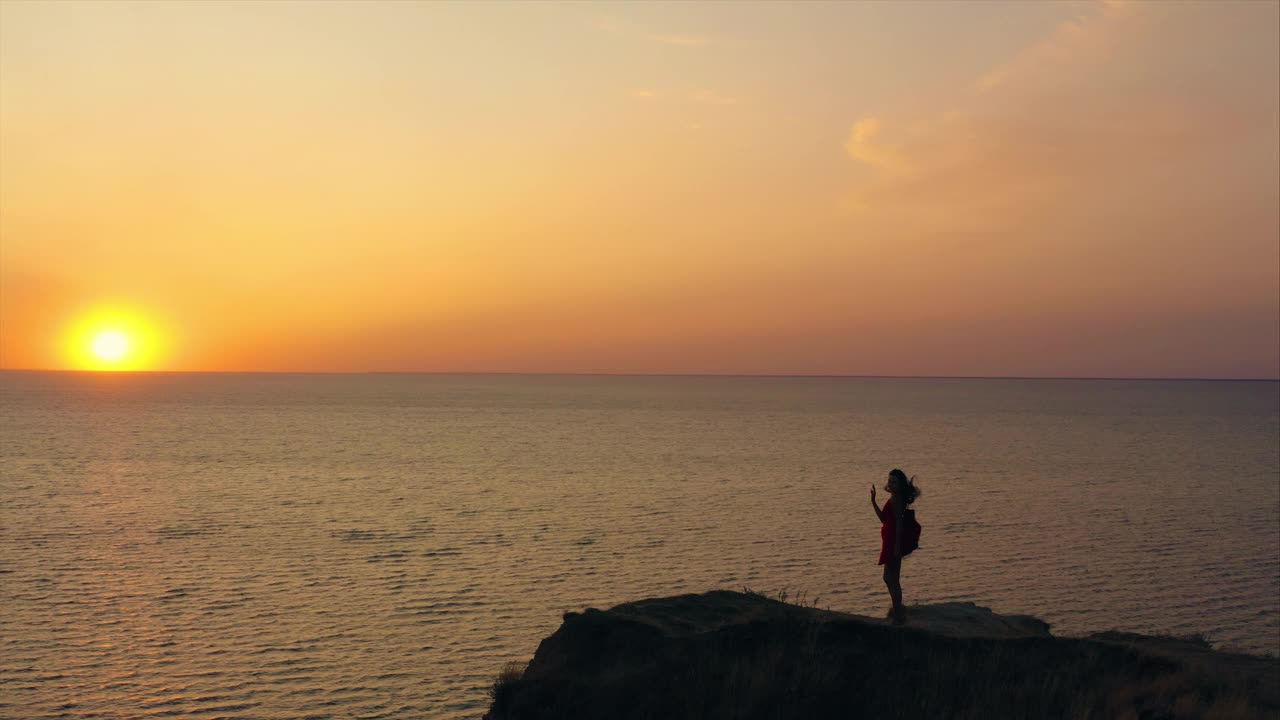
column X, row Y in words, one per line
column 887, row 531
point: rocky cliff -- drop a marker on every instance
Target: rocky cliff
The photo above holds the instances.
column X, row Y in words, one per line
column 742, row 655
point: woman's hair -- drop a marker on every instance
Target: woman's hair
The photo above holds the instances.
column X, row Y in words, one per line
column 900, row 486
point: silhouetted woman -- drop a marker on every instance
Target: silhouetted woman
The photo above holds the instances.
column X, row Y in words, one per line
column 896, row 536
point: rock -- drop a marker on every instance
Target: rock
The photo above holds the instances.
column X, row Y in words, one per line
column 965, row 619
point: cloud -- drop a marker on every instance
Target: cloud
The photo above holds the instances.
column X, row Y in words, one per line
column 1029, row 129
column 1080, row 176
column 1081, row 40
column 865, row 146
column 643, row 94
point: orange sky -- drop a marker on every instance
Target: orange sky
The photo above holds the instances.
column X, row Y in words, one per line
column 1060, row 189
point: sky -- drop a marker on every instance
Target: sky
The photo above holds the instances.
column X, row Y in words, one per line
column 1075, row 189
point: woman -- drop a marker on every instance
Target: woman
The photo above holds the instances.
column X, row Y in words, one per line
column 898, row 535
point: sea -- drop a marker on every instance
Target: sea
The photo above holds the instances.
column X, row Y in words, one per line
column 382, row 545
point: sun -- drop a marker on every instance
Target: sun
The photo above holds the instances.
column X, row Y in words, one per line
column 110, row 346
column 112, row 338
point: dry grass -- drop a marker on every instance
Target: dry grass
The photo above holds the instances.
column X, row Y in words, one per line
column 505, row 686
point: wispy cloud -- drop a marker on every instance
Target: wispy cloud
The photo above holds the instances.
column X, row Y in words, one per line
column 643, row 94
column 1088, row 37
column 1084, row 183
column 866, row 146
column 1026, row 133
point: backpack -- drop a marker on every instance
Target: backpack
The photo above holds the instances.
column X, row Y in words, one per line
column 910, row 532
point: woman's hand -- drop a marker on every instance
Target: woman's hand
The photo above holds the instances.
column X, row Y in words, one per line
column 873, row 493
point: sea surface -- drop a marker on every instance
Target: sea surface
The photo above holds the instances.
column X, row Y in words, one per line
column 380, row 546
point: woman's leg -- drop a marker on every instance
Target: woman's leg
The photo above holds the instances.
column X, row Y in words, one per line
column 893, row 580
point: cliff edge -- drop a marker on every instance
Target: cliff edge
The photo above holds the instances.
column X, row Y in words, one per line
column 744, row 656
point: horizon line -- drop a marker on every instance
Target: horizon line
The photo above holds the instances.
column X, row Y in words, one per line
column 818, row 376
